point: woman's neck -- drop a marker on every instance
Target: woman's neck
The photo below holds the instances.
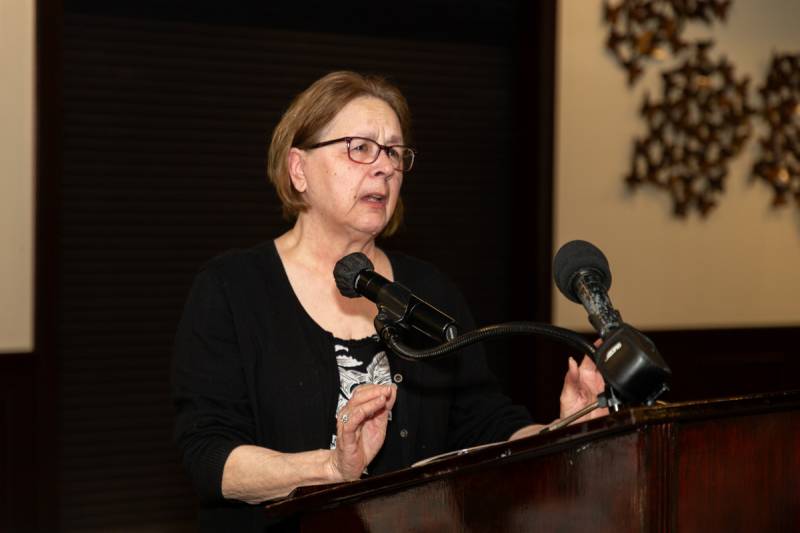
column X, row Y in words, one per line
column 318, row 248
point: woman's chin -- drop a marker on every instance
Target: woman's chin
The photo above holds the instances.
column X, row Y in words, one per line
column 371, row 225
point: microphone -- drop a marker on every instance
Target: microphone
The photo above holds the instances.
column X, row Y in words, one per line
column 397, row 305
column 627, row 359
column 582, row 275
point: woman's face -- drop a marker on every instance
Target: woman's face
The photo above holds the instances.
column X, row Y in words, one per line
column 344, row 194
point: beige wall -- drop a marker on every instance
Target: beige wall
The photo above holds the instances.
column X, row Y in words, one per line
column 739, row 267
column 16, row 174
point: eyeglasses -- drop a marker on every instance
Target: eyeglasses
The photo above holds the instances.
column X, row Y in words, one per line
column 367, row 151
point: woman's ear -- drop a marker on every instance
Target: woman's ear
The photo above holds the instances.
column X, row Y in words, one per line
column 297, row 169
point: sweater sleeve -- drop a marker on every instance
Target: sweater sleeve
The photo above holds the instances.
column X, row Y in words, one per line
column 480, row 412
column 213, row 414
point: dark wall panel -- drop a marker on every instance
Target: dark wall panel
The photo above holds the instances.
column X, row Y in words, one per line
column 17, row 430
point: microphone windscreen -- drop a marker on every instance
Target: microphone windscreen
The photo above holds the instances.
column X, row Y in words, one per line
column 346, row 272
column 577, row 256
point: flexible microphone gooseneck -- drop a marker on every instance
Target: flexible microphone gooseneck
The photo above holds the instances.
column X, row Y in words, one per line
column 628, row 360
column 399, row 309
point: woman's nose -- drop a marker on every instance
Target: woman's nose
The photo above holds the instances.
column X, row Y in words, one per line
column 384, row 166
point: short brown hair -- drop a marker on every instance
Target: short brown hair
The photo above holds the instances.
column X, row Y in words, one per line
column 310, row 112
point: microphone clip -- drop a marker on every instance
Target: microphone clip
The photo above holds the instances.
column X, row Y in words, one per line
column 631, row 365
column 385, row 326
column 401, row 308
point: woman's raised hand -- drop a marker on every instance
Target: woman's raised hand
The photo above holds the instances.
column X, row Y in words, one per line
column 361, row 429
column 582, row 384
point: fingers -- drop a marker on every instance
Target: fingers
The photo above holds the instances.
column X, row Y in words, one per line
column 366, row 402
column 582, row 384
column 361, row 428
column 571, row 380
column 382, row 416
column 357, row 415
column 572, row 366
column 573, row 372
column 392, row 397
column 588, row 363
column 366, row 393
column 590, row 377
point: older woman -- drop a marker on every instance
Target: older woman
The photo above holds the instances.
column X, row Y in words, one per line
column 279, row 381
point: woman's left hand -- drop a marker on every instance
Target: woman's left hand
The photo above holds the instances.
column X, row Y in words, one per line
column 582, row 384
column 361, row 429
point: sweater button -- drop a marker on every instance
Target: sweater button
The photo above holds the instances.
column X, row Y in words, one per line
column 404, row 433
column 398, row 378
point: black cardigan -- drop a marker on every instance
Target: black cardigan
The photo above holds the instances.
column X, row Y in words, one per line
column 252, row 367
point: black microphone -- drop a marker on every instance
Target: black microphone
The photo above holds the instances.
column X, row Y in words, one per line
column 582, row 275
column 627, row 359
column 355, row 276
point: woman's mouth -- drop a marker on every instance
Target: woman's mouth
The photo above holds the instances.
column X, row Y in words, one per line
column 374, row 199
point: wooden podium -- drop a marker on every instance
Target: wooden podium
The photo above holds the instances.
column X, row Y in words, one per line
column 711, row 466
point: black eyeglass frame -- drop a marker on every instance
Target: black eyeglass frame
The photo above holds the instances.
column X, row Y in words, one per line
column 381, row 148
